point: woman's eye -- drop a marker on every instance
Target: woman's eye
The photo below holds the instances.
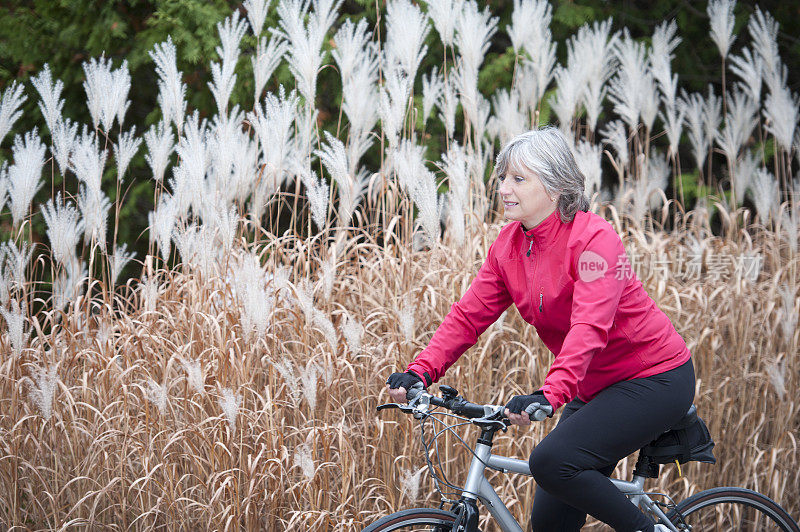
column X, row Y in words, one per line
column 518, row 179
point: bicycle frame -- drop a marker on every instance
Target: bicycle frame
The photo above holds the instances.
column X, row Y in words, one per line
column 477, row 487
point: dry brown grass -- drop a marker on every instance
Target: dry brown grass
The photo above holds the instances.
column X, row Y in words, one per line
column 109, row 458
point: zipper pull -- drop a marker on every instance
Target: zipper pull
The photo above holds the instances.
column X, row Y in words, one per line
column 541, row 300
column 529, row 248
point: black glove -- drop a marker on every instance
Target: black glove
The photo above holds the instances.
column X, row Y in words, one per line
column 520, row 403
column 403, row 380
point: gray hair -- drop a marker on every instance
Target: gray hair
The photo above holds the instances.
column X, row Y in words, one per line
column 546, row 153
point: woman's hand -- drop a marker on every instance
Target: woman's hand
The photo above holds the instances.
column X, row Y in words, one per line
column 518, row 419
column 398, row 385
column 515, row 409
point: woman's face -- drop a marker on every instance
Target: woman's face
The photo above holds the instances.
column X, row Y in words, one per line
column 524, row 196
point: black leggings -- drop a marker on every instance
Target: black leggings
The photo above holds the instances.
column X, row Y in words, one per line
column 571, row 465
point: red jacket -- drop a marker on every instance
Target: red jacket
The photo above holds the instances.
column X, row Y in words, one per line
column 573, row 282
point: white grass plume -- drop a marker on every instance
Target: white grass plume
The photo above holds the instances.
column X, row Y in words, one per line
column 273, row 126
column 454, row 215
column 3, row 184
column 6, row 282
column 594, row 51
column 160, row 144
column 304, row 461
column 633, row 90
column 171, row 90
column 194, row 375
column 17, row 260
column 309, row 377
column 570, row 84
column 126, row 147
column 406, row 29
column 51, row 103
column 432, row 86
column 94, row 206
column 456, row 166
column 787, row 314
column 664, row 43
column 740, row 119
column 353, row 333
column 720, row 13
column 744, row 172
column 43, row 385
column 693, row 107
column 255, row 302
column 405, row 318
column 161, row 223
column 765, row 193
column 304, row 52
column 285, row 368
column 749, row 68
column 25, row 175
column 776, row 372
column 88, row 160
column 148, row 293
column 351, row 187
column 223, row 74
column 474, row 30
column 106, row 91
column 361, row 106
column 764, row 30
column 615, row 136
column 712, row 114
column 11, row 100
column 317, row 192
column 530, row 20
column 410, row 483
column 441, row 13
column 63, row 137
column 781, row 112
column 790, row 222
column 352, row 44
column 508, row 120
column 119, row 259
column 256, row 14
column 394, row 95
column 15, row 319
column 157, row 394
column 230, row 403
column 269, row 54
column 68, row 284
column 588, row 157
column 530, row 31
column 448, row 105
column 64, row 228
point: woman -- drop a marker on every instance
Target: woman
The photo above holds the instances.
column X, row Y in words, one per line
column 621, row 371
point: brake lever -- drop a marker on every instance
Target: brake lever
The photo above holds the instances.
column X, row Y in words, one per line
column 493, row 416
column 403, row 408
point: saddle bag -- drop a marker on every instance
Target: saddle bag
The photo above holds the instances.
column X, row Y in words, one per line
column 688, row 441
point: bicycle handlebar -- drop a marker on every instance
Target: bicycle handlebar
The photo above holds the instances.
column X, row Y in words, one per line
column 419, row 400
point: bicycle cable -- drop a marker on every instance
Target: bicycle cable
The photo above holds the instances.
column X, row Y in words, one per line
column 435, row 441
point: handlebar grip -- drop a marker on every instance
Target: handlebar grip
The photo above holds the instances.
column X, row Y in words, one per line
column 538, row 412
column 414, row 391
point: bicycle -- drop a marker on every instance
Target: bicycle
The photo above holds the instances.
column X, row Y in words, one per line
column 726, row 508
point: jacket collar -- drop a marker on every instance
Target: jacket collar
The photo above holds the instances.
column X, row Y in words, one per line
column 546, row 230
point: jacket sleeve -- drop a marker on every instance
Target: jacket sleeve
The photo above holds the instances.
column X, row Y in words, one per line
column 480, row 306
column 597, row 291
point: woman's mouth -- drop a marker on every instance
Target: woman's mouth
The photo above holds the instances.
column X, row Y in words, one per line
column 510, row 203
